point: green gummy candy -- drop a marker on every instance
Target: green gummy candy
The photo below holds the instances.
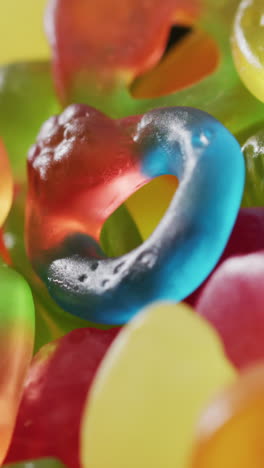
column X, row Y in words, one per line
column 41, row 463
column 27, row 99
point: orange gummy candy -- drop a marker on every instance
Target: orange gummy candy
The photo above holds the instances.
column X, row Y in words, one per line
column 231, row 430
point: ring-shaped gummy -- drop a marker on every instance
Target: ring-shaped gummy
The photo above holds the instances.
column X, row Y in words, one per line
column 188, row 241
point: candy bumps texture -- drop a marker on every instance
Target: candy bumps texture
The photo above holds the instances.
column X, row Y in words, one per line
column 74, row 185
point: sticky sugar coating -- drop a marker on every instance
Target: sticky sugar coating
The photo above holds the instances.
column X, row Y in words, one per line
column 247, row 45
column 16, row 342
column 66, row 366
column 233, row 302
column 6, row 184
column 74, row 186
column 247, row 237
column 230, row 430
column 150, row 389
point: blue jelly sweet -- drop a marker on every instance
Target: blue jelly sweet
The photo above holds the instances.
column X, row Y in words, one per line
column 84, row 165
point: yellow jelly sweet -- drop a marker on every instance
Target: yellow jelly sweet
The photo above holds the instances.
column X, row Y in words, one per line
column 6, row 184
column 150, row 389
column 21, row 32
column 231, row 429
column 248, row 45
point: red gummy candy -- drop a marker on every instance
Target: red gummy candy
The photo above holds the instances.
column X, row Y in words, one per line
column 54, row 395
column 85, row 42
column 247, row 237
column 233, row 302
column 71, row 152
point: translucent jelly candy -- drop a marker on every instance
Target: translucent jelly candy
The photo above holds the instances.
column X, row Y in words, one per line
column 112, row 54
column 53, row 322
column 6, row 184
column 233, row 302
column 248, row 40
column 129, row 43
column 246, row 237
column 16, row 342
column 54, row 394
column 150, row 388
column 230, row 432
column 27, row 99
column 73, row 188
column 196, row 56
column 253, row 150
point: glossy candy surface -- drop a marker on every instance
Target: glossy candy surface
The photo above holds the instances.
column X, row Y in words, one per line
column 16, row 347
column 55, row 390
column 63, row 225
column 248, row 37
column 109, row 51
column 253, row 150
column 233, row 302
column 230, row 432
column 150, row 389
column 52, row 321
column 123, row 55
column 6, row 184
column 247, row 237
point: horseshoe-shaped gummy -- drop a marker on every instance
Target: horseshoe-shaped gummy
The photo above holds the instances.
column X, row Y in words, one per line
column 85, row 165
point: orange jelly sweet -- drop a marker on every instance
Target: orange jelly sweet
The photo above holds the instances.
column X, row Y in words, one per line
column 231, row 430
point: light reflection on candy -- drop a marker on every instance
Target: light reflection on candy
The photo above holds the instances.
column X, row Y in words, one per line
column 16, row 347
column 253, row 150
column 51, row 321
column 248, row 37
column 150, row 389
column 106, row 84
column 6, row 184
column 230, row 431
column 63, row 225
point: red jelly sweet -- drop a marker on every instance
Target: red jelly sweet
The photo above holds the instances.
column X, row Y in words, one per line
column 247, row 237
column 54, row 395
column 87, row 47
column 233, row 302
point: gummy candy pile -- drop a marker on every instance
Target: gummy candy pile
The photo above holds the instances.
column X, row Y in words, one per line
column 132, row 238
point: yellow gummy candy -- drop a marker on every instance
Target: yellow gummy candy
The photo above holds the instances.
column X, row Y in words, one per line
column 247, row 42
column 21, row 31
column 150, row 389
